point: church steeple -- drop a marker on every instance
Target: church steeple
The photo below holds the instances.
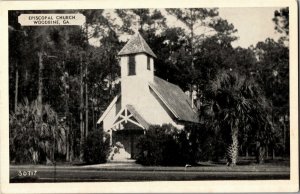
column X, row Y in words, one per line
column 137, row 59
column 135, row 45
column 137, row 70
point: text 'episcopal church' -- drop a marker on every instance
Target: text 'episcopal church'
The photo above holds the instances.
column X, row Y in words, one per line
column 144, row 100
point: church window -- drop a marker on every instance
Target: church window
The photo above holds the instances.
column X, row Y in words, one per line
column 148, row 62
column 131, row 65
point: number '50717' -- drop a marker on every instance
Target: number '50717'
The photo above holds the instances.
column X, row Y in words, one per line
column 27, row 173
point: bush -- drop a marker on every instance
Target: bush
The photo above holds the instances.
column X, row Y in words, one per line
column 164, row 145
column 207, row 144
column 96, row 148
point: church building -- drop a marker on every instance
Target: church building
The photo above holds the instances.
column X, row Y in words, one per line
column 145, row 99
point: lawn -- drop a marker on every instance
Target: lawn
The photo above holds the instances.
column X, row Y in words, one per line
column 245, row 170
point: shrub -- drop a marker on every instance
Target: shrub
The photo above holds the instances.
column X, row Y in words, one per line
column 96, row 148
column 164, row 145
column 206, row 142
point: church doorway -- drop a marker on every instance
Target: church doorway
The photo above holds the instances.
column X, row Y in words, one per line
column 127, row 139
column 126, row 130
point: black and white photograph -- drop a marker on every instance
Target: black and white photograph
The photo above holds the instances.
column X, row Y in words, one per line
column 149, row 94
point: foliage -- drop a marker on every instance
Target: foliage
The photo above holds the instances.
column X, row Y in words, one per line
column 166, row 145
column 237, row 103
column 205, row 144
column 202, row 23
column 144, row 20
column 33, row 140
column 96, row 147
column 163, row 145
column 281, row 20
column 272, row 73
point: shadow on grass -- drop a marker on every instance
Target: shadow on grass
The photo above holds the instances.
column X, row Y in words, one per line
column 251, row 161
column 19, row 179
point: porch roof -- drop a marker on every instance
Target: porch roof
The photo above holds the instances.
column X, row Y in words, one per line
column 137, row 116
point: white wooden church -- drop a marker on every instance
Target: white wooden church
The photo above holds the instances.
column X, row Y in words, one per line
column 144, row 100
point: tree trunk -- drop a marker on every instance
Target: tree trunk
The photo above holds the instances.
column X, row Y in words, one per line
column 40, row 100
column 93, row 116
column 66, row 84
column 192, row 49
column 261, row 154
column 40, row 85
column 234, row 148
column 67, row 145
column 284, row 139
column 16, row 87
column 53, row 154
column 86, row 104
column 192, row 39
column 67, row 130
column 72, row 139
column 81, row 112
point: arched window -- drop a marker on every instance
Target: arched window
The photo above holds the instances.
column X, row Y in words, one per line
column 131, row 65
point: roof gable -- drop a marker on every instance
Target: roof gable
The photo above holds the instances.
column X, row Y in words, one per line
column 138, row 117
column 113, row 102
column 175, row 99
column 136, row 44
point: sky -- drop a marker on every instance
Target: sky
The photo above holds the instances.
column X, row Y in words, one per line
column 253, row 24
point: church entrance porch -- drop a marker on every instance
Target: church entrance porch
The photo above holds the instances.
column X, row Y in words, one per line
column 127, row 128
column 125, row 143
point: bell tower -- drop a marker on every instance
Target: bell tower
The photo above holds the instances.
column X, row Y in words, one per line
column 137, row 69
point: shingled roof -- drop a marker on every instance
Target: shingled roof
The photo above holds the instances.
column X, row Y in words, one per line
column 136, row 45
column 175, row 99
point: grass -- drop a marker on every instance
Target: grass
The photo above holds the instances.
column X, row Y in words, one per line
column 64, row 172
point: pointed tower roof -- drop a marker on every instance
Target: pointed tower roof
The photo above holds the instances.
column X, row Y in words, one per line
column 136, row 44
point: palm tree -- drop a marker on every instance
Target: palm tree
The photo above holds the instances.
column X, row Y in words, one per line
column 238, row 104
column 31, row 139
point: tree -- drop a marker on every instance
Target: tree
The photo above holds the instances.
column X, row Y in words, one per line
column 15, row 54
column 272, row 72
column 59, row 41
column 172, row 57
column 82, row 138
column 208, row 45
column 193, row 18
column 245, row 61
column 145, row 20
column 103, row 75
column 33, row 139
column 237, row 103
column 281, row 20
